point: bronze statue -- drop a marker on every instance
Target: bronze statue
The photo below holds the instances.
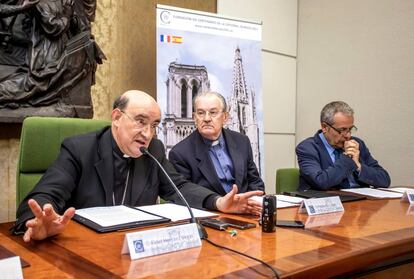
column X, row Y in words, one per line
column 48, row 56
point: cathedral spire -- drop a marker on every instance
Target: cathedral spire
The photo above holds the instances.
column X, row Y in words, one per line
column 242, row 107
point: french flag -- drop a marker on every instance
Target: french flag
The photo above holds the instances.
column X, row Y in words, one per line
column 165, row 38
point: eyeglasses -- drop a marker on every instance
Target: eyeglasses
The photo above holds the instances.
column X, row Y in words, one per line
column 202, row 113
column 343, row 131
column 142, row 123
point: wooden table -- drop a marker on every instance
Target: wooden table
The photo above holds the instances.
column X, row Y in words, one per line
column 370, row 234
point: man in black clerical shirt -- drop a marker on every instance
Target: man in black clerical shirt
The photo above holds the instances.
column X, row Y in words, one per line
column 212, row 156
column 123, row 176
column 107, row 168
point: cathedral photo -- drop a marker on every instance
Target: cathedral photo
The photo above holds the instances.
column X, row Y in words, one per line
column 185, row 81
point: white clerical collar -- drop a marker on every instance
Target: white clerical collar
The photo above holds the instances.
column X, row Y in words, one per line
column 219, row 140
column 215, row 142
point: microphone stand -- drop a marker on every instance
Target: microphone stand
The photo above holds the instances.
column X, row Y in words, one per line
column 201, row 230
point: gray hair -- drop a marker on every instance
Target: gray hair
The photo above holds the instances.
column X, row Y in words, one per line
column 209, row 93
column 120, row 102
column 329, row 110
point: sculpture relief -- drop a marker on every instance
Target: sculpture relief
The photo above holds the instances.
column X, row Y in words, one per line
column 48, row 56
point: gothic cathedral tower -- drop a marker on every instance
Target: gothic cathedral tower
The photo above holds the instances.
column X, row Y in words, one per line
column 183, row 83
column 242, row 108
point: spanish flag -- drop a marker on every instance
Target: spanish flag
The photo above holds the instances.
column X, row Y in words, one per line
column 177, row 40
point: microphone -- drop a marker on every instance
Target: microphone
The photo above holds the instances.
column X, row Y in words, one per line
column 201, row 230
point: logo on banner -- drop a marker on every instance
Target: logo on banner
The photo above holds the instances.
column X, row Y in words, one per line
column 171, row 39
column 165, row 17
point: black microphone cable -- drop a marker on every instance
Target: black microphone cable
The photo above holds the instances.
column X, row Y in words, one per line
column 201, row 230
column 247, row 256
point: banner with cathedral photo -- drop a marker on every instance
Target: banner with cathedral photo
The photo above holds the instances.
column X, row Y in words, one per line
column 198, row 52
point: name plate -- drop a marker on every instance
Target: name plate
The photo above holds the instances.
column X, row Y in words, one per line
column 408, row 196
column 321, row 205
column 159, row 241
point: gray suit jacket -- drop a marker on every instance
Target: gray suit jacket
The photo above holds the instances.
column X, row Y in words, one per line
column 82, row 176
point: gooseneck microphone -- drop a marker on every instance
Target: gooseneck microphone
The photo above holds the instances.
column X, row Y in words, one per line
column 201, row 230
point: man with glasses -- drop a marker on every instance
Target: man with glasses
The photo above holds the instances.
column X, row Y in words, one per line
column 106, row 168
column 334, row 159
column 218, row 159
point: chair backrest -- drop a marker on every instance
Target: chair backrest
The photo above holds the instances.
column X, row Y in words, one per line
column 40, row 144
column 287, row 180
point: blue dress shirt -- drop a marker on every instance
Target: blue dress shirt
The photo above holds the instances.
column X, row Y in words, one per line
column 222, row 162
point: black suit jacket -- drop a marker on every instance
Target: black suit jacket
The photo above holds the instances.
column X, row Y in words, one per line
column 190, row 157
column 82, row 176
column 317, row 171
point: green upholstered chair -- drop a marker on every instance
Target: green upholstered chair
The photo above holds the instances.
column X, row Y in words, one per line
column 40, row 144
column 287, row 180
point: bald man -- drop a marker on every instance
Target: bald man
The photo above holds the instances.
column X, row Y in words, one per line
column 106, row 168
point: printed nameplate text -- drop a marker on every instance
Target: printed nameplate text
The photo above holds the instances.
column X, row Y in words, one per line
column 159, row 241
column 321, row 205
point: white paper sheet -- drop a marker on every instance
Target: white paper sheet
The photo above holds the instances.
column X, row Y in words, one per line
column 289, row 199
column 374, row 193
column 176, row 212
column 114, row 215
column 397, row 189
column 282, row 200
column 10, row 268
